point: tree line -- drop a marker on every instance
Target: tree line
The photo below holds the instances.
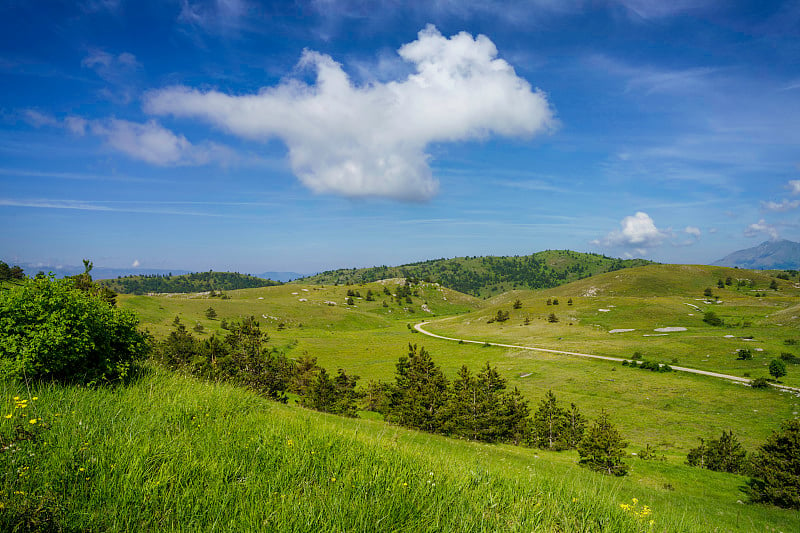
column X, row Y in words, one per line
column 196, row 282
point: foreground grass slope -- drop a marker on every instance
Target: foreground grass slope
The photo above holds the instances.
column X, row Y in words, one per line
column 170, row 453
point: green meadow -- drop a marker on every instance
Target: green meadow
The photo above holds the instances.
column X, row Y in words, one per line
column 169, row 453
column 180, row 454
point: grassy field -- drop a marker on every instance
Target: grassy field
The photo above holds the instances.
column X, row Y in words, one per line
column 671, row 411
column 169, row 453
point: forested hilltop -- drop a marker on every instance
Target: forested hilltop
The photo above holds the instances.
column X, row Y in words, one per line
column 195, row 282
column 489, row 275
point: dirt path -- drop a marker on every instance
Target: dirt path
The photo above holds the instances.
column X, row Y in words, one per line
column 738, row 379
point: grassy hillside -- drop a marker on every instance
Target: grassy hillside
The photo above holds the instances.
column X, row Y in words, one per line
column 487, row 276
column 170, row 453
column 619, row 313
column 195, row 282
column 667, row 410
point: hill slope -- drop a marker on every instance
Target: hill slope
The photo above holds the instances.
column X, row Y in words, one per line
column 781, row 254
column 171, row 453
column 489, row 275
column 196, row 282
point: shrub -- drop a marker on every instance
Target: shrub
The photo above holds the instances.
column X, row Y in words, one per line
column 777, row 368
column 759, row 383
column 775, row 468
column 744, row 354
column 51, row 330
column 711, row 318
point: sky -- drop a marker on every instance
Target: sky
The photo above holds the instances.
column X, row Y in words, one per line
column 311, row 135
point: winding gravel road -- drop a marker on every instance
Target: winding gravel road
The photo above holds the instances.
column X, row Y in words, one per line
column 738, row 379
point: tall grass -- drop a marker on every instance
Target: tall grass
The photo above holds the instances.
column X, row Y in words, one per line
column 168, row 453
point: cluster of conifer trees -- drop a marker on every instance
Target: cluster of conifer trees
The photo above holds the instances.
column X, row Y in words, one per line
column 471, row 406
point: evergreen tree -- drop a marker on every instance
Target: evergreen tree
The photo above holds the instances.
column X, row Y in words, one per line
column 573, row 428
column 321, row 395
column 547, row 428
column 602, row 448
column 516, row 413
column 723, row 455
column 776, row 468
column 211, row 314
column 305, row 370
column 420, row 391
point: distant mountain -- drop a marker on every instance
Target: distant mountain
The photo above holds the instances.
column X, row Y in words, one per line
column 779, row 255
column 489, row 275
column 280, row 276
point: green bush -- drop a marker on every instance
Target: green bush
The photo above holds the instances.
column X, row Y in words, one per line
column 51, row 330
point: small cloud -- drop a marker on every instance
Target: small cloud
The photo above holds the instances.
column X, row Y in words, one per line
column 760, row 227
column 38, row 119
column 76, row 125
column 155, row 144
column 711, row 231
column 121, row 72
column 136, row 263
column 693, row 231
column 794, row 186
column 785, row 205
column 638, row 232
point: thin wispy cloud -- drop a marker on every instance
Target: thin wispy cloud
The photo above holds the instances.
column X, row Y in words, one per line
column 80, row 205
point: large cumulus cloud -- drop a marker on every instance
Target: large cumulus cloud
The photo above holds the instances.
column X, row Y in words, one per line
column 370, row 140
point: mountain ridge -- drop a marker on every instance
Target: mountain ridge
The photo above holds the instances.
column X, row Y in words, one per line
column 780, row 255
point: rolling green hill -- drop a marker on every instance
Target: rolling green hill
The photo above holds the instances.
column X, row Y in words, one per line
column 195, row 282
column 489, row 275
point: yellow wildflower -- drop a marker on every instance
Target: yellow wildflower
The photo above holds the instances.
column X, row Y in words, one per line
column 33, row 420
column 9, row 415
column 35, row 398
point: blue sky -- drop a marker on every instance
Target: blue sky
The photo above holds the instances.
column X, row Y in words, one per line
column 303, row 136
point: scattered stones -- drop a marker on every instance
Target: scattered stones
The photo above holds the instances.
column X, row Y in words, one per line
column 620, row 330
column 670, row 329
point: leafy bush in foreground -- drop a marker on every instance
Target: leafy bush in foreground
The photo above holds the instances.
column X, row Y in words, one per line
column 51, row 330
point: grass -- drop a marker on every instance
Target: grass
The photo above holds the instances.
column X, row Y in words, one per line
column 169, row 453
column 670, row 411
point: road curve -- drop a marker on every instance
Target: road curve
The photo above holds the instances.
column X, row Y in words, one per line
column 738, row 379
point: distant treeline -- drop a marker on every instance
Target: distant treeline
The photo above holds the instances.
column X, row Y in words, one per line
column 10, row 272
column 482, row 276
column 196, row 282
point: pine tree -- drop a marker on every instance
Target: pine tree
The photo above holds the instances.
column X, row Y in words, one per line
column 548, row 424
column 420, row 391
column 516, row 413
column 602, row 448
column 574, row 427
column 723, row 455
column 211, row 314
column 776, row 468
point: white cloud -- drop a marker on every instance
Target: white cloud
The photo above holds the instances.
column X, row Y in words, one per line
column 753, row 230
column 120, row 71
column 653, row 9
column 76, row 125
column 784, row 205
column 153, row 143
column 794, row 186
column 638, row 232
column 370, row 140
column 135, row 263
column 693, row 231
column 38, row 119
